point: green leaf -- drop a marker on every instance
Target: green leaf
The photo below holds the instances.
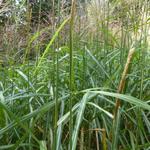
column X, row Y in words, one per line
column 126, row 98
column 43, row 145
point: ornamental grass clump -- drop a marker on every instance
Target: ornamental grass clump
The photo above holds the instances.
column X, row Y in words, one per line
column 77, row 77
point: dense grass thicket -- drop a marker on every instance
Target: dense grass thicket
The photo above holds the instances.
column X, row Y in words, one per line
column 75, row 75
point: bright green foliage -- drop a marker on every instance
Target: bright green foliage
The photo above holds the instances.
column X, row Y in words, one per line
column 64, row 95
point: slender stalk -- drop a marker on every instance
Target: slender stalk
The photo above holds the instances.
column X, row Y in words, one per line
column 123, row 79
column 56, row 67
column 38, row 30
column 82, row 139
column 142, row 64
column 29, row 16
column 97, row 140
column 54, row 82
column 56, row 101
column 71, row 72
column 104, row 139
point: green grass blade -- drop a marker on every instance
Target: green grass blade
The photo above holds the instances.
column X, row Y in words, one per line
column 101, row 109
column 126, row 98
column 79, row 120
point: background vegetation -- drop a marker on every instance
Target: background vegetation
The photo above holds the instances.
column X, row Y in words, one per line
column 75, row 75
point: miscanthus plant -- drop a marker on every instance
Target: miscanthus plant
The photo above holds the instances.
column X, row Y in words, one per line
column 87, row 86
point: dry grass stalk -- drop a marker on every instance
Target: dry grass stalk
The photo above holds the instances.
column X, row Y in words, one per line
column 103, row 137
column 82, row 139
column 123, row 78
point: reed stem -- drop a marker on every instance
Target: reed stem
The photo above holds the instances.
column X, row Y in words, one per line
column 123, row 79
column 71, row 72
